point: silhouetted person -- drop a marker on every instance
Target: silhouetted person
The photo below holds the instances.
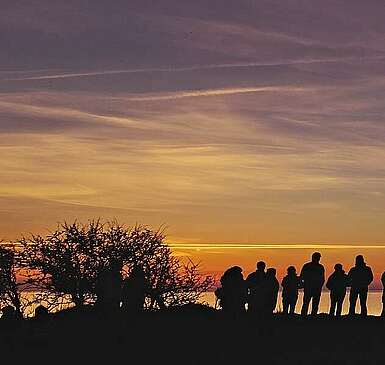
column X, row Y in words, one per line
column 337, row 283
column 8, row 314
column 134, row 291
column 232, row 294
column 41, row 312
column 254, row 284
column 290, row 286
column 383, row 294
column 270, row 291
column 312, row 279
column 109, row 287
column 360, row 276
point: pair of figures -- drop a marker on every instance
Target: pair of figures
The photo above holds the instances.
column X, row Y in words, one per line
column 259, row 291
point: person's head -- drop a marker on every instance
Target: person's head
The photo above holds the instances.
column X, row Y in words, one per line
column 360, row 260
column 271, row 272
column 137, row 271
column 261, row 266
column 115, row 265
column 41, row 312
column 338, row 268
column 236, row 272
column 291, row 270
column 8, row 312
column 316, row 257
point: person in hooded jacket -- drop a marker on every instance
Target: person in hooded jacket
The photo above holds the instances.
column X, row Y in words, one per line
column 337, row 283
column 232, row 293
column 271, row 288
column 290, row 285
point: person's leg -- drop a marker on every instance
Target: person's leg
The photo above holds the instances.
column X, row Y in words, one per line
column 340, row 301
column 306, row 301
column 293, row 304
column 363, row 299
column 285, row 303
column 333, row 303
column 352, row 301
column 315, row 301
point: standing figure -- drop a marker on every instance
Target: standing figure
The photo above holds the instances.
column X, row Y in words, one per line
column 108, row 288
column 134, row 291
column 360, row 276
column 337, row 283
column 383, row 294
column 271, row 288
column 254, row 284
column 232, row 294
column 290, row 286
column 312, row 279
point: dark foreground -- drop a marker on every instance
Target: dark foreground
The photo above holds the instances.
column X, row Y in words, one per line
column 194, row 335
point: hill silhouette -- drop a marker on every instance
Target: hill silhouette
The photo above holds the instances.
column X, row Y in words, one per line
column 194, row 334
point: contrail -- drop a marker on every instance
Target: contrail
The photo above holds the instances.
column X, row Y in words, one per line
column 251, row 246
column 193, row 68
column 213, row 92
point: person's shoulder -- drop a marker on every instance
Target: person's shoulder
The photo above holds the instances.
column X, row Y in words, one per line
column 250, row 276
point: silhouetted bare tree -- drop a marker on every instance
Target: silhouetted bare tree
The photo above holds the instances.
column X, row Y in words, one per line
column 69, row 260
column 9, row 287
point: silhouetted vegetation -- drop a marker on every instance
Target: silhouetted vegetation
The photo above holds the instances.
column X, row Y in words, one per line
column 9, row 287
column 110, row 273
column 66, row 267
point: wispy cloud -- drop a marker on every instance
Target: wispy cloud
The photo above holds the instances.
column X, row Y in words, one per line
column 293, row 62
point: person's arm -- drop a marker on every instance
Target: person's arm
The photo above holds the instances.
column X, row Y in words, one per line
column 323, row 275
column 349, row 278
column 370, row 276
column 329, row 282
column 302, row 276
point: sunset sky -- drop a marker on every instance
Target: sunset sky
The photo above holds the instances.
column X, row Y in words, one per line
column 247, row 122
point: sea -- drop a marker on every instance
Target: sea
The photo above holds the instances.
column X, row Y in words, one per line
column 374, row 302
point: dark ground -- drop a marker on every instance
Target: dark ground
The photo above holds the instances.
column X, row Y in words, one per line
column 194, row 335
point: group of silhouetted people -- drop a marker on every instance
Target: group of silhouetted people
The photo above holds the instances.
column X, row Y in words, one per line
column 260, row 289
column 113, row 292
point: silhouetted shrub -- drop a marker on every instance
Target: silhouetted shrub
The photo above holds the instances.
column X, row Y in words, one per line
column 9, row 287
column 69, row 260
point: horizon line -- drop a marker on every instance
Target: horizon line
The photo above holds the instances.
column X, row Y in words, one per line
column 292, row 246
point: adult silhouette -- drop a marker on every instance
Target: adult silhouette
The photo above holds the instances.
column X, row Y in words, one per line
column 108, row 287
column 271, row 288
column 8, row 313
column 360, row 276
column 232, row 294
column 337, row 283
column 383, row 294
column 41, row 312
column 290, row 285
column 312, row 279
column 254, row 284
column 134, row 291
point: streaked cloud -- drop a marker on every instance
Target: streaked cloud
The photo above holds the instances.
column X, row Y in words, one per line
column 233, row 125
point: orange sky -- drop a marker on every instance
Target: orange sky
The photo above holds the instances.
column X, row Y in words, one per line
column 216, row 258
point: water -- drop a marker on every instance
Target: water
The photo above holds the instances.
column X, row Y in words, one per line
column 374, row 302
